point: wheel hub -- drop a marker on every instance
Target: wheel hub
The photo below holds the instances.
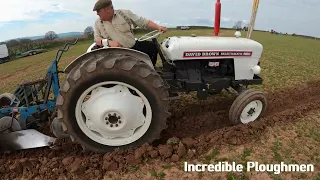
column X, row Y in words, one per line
column 251, row 112
column 113, row 119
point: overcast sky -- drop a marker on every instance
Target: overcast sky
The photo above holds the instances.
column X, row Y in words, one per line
column 20, row 18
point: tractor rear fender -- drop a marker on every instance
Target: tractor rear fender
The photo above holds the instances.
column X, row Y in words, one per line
column 95, row 54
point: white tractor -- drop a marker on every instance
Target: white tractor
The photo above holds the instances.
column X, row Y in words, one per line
column 114, row 97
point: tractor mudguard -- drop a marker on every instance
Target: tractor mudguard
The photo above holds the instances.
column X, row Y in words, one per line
column 101, row 52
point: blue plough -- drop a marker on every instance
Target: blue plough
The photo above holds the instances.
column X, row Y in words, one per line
column 31, row 103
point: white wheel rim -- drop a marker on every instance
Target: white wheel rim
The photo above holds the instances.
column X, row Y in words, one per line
column 96, row 119
column 251, row 112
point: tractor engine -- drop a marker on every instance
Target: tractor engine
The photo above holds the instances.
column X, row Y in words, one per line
column 210, row 64
column 198, row 75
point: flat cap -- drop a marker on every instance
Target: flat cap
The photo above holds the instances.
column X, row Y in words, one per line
column 102, row 4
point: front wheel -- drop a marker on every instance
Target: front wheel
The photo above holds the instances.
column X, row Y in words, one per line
column 248, row 107
column 111, row 102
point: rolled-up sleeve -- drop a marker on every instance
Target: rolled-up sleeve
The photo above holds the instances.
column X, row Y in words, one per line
column 97, row 33
column 139, row 20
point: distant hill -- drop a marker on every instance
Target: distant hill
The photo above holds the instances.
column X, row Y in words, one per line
column 61, row 35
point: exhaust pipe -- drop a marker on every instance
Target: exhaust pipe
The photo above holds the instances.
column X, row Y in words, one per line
column 217, row 18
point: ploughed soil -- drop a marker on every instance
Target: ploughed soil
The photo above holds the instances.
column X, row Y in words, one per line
column 195, row 127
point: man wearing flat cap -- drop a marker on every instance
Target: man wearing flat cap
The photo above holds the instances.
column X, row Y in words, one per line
column 113, row 28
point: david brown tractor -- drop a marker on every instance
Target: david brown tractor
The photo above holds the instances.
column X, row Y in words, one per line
column 114, row 97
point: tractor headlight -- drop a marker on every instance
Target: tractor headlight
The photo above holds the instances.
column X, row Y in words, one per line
column 256, row 69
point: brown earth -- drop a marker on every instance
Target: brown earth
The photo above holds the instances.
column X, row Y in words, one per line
column 194, row 128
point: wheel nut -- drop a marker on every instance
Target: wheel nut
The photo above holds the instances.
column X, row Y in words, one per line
column 119, row 122
column 119, row 117
column 111, row 125
column 107, row 123
column 116, row 125
column 109, row 115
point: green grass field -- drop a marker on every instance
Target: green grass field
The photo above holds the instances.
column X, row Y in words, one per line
column 287, row 62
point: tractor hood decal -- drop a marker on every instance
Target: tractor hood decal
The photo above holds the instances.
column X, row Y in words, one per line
column 193, row 54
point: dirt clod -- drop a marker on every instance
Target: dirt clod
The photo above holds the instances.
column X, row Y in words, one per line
column 139, row 152
column 190, row 154
column 189, row 142
column 131, row 160
column 2, row 169
column 165, row 151
column 107, row 157
column 51, row 154
column 16, row 167
column 175, row 158
column 110, row 166
column 181, row 151
column 173, row 141
column 149, row 148
column 44, row 161
column 2, row 161
column 76, row 165
column 154, row 154
column 119, row 159
column 67, row 161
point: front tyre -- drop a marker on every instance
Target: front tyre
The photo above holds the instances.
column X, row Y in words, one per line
column 248, row 107
column 113, row 101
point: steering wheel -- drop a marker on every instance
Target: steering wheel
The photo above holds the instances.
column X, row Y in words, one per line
column 148, row 36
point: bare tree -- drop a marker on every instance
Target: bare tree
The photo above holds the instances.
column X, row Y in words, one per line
column 238, row 25
column 13, row 42
column 245, row 27
column 25, row 41
column 89, row 31
column 51, row 35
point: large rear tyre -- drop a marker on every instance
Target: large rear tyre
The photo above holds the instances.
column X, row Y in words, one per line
column 113, row 101
column 248, row 107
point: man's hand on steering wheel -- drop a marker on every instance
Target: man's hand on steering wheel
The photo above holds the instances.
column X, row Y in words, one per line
column 99, row 42
column 162, row 29
column 114, row 44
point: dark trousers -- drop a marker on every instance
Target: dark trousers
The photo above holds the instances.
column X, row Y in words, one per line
column 149, row 48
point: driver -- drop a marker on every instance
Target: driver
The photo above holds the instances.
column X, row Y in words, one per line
column 113, row 28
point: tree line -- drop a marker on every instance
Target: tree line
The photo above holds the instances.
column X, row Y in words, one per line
column 50, row 40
